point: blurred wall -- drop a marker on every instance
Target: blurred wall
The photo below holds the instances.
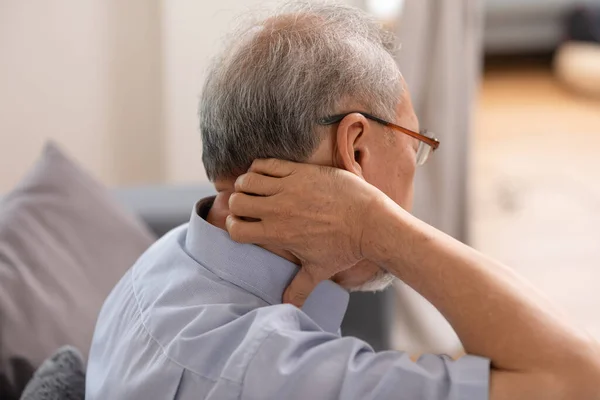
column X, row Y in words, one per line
column 86, row 74
column 116, row 83
column 193, row 32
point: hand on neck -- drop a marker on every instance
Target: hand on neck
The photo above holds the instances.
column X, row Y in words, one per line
column 220, row 210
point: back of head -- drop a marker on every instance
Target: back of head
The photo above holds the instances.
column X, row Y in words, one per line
column 264, row 95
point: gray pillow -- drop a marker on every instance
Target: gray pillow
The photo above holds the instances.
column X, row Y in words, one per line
column 61, row 377
column 64, row 243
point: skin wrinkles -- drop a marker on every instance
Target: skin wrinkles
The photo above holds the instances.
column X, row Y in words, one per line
column 368, row 150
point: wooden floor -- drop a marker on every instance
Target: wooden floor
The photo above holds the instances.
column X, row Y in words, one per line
column 536, row 186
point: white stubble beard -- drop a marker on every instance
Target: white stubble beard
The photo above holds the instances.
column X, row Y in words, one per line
column 380, row 281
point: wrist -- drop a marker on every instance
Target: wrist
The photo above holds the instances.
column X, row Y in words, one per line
column 382, row 229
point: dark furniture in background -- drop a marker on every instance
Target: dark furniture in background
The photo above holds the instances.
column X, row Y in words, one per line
column 527, row 26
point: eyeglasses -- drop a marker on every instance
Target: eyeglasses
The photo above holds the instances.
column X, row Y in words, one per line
column 427, row 142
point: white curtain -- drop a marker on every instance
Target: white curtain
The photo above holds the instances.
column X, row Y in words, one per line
column 440, row 59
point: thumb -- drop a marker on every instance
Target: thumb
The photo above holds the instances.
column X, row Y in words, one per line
column 301, row 286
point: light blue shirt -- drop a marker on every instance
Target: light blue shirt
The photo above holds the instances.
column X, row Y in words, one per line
column 200, row 317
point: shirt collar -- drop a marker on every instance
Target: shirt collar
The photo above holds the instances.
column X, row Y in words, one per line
column 260, row 272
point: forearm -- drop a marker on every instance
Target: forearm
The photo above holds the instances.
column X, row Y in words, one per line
column 495, row 313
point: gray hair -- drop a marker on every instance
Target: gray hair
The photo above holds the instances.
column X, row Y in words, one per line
column 264, row 95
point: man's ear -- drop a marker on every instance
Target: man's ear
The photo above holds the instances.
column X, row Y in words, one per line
column 350, row 151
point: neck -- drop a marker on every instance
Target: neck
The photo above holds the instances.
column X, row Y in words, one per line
column 220, row 210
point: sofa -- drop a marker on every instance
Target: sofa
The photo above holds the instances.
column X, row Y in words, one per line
column 65, row 241
column 523, row 27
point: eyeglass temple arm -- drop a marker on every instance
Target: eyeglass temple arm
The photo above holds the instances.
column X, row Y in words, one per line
column 434, row 143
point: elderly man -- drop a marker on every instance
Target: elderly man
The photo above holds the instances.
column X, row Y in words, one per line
column 200, row 316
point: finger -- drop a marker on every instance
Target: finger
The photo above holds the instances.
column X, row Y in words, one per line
column 273, row 167
column 244, row 205
column 301, row 287
column 257, row 184
column 245, row 231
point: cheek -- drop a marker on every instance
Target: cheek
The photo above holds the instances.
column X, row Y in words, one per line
column 403, row 177
column 393, row 172
column 407, row 201
column 404, row 187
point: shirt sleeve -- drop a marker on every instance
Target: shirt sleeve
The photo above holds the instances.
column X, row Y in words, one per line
column 317, row 365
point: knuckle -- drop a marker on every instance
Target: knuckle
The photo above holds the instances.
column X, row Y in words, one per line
column 272, row 163
column 248, row 181
column 288, row 296
column 300, row 296
column 233, row 231
column 236, row 234
column 295, row 296
column 279, row 188
column 253, row 181
column 234, row 202
column 240, row 182
column 256, row 163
